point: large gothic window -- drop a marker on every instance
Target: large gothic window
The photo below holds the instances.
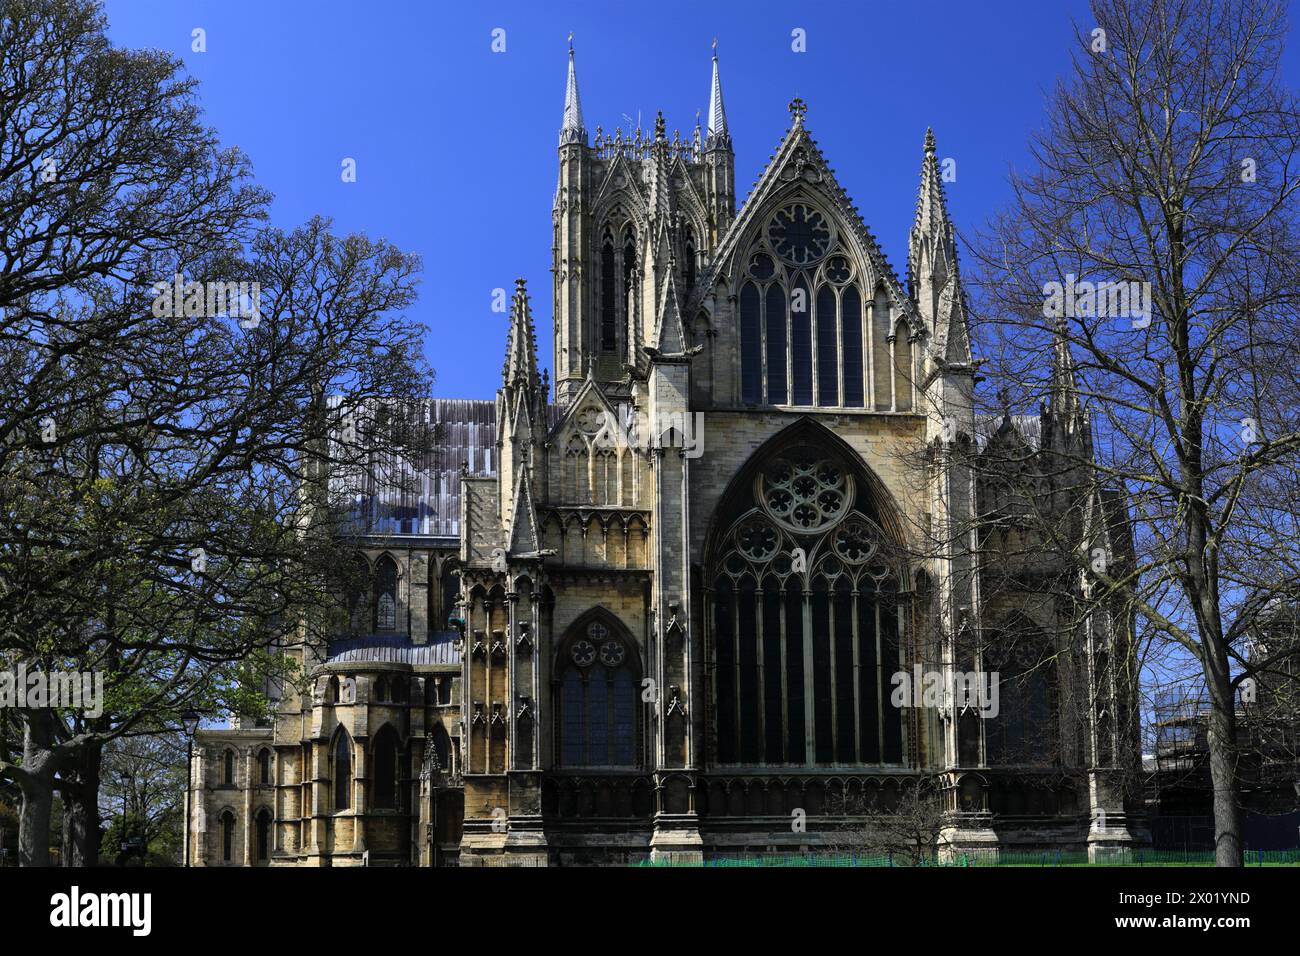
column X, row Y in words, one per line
column 599, row 686
column 804, row 619
column 1024, row 730
column 802, row 318
column 386, row 594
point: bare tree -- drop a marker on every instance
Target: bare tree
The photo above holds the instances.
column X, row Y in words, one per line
column 1153, row 245
column 905, row 826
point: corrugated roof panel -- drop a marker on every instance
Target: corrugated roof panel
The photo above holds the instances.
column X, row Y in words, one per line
column 396, row 649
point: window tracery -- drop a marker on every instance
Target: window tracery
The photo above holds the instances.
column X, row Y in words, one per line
column 804, row 620
column 597, row 700
column 810, row 332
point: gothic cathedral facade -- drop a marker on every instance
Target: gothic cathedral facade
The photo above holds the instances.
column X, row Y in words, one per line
column 684, row 607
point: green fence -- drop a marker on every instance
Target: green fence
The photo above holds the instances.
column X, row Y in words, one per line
column 1005, row 858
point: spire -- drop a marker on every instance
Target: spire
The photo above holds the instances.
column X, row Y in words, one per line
column 931, row 205
column 717, row 112
column 572, row 130
column 520, row 368
column 1063, row 393
column 932, row 276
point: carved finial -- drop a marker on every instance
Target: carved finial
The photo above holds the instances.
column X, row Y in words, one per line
column 929, row 140
column 798, row 108
column 715, row 47
column 1004, row 399
column 659, row 124
column 570, row 41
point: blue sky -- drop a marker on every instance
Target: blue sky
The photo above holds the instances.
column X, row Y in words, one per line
column 455, row 145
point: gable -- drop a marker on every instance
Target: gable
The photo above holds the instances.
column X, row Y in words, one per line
column 799, row 172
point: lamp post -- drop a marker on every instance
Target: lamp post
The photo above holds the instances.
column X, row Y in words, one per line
column 190, row 721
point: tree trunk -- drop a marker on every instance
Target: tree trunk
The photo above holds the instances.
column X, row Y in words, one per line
column 1223, row 771
column 36, row 781
column 80, row 793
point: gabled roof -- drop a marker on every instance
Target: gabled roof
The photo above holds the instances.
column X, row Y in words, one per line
column 798, row 159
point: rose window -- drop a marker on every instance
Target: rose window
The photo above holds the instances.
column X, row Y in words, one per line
column 804, row 494
column 799, row 234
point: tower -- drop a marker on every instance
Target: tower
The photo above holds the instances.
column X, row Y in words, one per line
column 627, row 210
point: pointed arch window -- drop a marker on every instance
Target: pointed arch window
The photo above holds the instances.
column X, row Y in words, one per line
column 1024, row 731
column 385, row 590
column 851, row 336
column 450, row 595
column 751, row 346
column 688, row 272
column 227, row 836
column 341, row 769
column 801, row 378
column 802, row 657
column 228, row 768
column 263, row 835
column 608, row 295
column 828, row 369
column 357, row 592
column 777, row 369
column 801, row 316
column 264, row 767
column 597, row 698
column 629, row 271
column 441, row 748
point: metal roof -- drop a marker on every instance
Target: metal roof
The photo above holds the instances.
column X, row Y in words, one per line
column 396, row 649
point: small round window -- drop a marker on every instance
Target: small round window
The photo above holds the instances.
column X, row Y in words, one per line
column 804, row 493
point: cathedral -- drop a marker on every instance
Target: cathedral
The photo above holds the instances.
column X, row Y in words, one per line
column 675, row 600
